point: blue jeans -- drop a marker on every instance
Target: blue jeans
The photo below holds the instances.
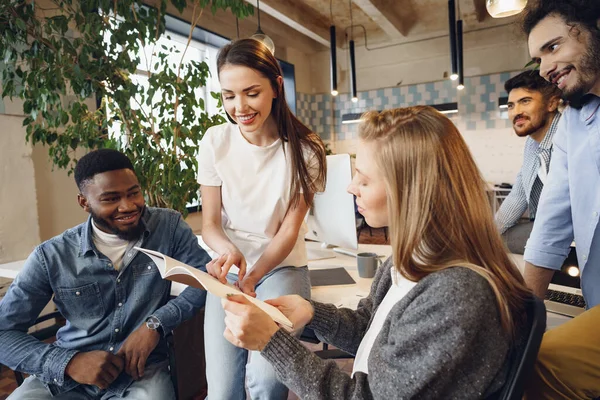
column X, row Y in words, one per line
column 226, row 365
column 156, row 384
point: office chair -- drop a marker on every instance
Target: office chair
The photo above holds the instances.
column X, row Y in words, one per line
column 308, row 335
column 172, row 365
column 43, row 334
column 187, row 366
column 524, row 356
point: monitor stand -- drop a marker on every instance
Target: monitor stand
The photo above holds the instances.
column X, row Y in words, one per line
column 323, row 253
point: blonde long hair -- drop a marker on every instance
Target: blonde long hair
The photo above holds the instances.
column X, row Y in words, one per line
column 436, row 195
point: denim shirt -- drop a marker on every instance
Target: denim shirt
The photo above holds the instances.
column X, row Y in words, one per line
column 569, row 207
column 102, row 306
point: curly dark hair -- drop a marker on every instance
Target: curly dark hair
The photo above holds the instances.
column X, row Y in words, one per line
column 97, row 162
column 584, row 13
column 531, row 80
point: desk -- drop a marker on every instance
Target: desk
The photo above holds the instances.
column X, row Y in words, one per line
column 496, row 196
column 345, row 295
column 349, row 295
column 340, row 295
column 11, row 269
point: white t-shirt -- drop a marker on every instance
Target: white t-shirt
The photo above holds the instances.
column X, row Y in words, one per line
column 400, row 287
column 110, row 245
column 255, row 190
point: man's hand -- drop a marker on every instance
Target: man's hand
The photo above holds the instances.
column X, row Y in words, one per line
column 98, row 368
column 137, row 348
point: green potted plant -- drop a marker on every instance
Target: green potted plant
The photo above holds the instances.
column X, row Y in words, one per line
column 73, row 64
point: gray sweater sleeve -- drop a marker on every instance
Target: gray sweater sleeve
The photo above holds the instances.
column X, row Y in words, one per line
column 344, row 328
column 442, row 340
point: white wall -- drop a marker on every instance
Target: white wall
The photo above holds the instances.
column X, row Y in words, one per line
column 302, row 70
column 485, row 52
column 57, row 196
column 19, row 229
column 50, row 206
column 498, row 153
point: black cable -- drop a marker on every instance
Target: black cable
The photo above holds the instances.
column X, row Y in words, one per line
column 352, row 23
column 331, row 11
column 419, row 40
column 258, row 12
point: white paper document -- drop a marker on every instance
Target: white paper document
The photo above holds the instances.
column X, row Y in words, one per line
column 177, row 271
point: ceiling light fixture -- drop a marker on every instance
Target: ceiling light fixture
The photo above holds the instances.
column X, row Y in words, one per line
column 460, row 56
column 260, row 35
column 351, row 118
column 333, row 55
column 504, row 8
column 503, row 103
column 352, row 60
column 444, row 108
column 452, row 29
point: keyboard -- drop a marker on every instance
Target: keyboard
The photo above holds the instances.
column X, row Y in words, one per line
column 565, row 298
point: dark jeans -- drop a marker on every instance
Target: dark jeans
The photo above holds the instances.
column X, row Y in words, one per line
column 516, row 237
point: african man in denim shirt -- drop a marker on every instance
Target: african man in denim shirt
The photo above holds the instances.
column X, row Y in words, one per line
column 114, row 300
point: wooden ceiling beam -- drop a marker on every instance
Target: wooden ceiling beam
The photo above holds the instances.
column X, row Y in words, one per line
column 302, row 18
column 480, row 10
column 223, row 23
column 395, row 20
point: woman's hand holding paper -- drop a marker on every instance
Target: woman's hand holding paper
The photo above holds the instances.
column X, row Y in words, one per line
column 247, row 326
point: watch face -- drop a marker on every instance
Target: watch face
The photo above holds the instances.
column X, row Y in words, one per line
column 153, row 323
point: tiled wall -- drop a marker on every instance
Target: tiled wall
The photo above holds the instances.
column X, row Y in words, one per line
column 484, row 126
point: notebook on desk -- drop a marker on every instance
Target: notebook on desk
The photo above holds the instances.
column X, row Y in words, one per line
column 330, row 276
column 564, row 293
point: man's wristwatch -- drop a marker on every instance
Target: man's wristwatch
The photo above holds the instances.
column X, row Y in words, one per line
column 153, row 324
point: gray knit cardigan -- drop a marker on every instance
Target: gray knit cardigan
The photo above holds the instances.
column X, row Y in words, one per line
column 443, row 340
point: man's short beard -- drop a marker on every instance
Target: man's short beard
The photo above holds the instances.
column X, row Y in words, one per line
column 589, row 66
column 129, row 235
column 533, row 129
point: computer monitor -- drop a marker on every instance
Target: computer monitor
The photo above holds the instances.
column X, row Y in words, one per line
column 331, row 220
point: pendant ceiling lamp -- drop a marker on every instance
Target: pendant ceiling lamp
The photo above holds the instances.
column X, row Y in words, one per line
column 452, row 29
column 353, row 72
column 333, row 55
column 504, row 8
column 353, row 90
column 260, row 35
column 333, row 61
column 460, row 55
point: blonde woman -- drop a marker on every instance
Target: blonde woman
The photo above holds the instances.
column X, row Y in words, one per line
column 443, row 311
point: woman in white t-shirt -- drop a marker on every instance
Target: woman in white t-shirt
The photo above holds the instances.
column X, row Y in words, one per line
column 258, row 176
